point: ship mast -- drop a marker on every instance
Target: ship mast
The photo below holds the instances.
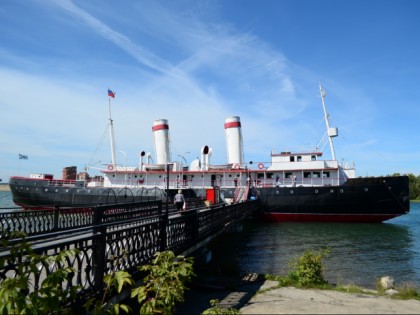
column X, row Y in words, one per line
column 332, row 132
column 111, row 131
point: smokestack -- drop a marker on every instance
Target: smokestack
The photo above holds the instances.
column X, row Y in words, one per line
column 234, row 142
column 161, row 139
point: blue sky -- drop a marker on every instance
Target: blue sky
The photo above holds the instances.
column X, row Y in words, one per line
column 197, row 62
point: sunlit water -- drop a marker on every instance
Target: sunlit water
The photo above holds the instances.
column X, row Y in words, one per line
column 360, row 253
column 6, row 200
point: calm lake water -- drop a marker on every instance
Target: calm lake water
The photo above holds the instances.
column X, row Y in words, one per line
column 360, row 253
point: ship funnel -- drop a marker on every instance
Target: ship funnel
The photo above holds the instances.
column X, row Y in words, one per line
column 142, row 154
column 161, row 139
column 234, row 141
column 205, row 157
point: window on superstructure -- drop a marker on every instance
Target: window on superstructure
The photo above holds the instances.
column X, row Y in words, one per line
column 326, row 174
column 307, row 174
column 260, row 175
column 292, row 158
column 316, row 174
column 288, row 175
column 313, row 157
column 299, row 158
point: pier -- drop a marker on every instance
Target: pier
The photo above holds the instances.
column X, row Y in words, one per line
column 115, row 237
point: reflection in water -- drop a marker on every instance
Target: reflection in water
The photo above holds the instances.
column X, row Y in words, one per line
column 360, row 253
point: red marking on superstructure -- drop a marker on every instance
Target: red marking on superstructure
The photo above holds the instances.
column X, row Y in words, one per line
column 233, row 124
column 160, row 127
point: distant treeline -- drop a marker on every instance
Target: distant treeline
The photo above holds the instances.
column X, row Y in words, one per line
column 414, row 186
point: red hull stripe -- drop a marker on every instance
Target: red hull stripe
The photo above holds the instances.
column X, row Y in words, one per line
column 349, row 218
column 160, row 127
column 234, row 124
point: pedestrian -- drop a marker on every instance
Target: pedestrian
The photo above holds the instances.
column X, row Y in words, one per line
column 179, row 200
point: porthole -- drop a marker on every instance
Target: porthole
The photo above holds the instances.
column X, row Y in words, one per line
column 366, row 189
column 316, row 191
column 56, row 190
column 291, row 191
column 341, row 190
column 277, row 192
column 331, row 190
column 67, row 190
column 46, row 189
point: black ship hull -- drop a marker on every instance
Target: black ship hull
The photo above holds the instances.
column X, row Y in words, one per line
column 42, row 194
column 370, row 199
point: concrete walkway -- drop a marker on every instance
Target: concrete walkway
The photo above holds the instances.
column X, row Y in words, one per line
column 289, row 300
column 242, row 294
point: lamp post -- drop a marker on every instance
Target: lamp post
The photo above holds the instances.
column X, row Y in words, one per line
column 182, row 158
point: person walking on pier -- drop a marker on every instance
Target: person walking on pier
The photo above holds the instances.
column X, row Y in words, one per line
column 179, row 200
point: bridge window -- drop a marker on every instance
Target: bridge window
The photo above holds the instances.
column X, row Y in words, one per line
column 313, row 157
column 299, row 158
column 292, row 158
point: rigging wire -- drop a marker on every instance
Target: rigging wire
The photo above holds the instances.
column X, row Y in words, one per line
column 101, row 141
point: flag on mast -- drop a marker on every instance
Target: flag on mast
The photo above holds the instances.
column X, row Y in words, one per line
column 111, row 93
column 23, row 157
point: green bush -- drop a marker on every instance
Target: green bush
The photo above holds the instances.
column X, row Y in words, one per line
column 216, row 309
column 164, row 284
column 307, row 270
column 16, row 293
column 163, row 287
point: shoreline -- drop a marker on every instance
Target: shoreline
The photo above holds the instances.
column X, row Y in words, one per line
column 4, row 187
column 253, row 294
column 291, row 300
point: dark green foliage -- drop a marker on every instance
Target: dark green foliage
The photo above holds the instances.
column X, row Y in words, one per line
column 115, row 282
column 307, row 270
column 16, row 293
column 164, row 284
column 216, row 309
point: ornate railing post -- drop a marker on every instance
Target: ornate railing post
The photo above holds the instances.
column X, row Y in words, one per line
column 99, row 248
column 56, row 216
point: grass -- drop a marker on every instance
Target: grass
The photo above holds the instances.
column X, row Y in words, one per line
column 406, row 291
column 307, row 273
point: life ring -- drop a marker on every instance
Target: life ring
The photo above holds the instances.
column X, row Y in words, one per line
column 110, row 167
column 236, row 166
column 260, row 166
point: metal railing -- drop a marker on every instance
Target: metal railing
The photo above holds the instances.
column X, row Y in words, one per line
column 122, row 238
